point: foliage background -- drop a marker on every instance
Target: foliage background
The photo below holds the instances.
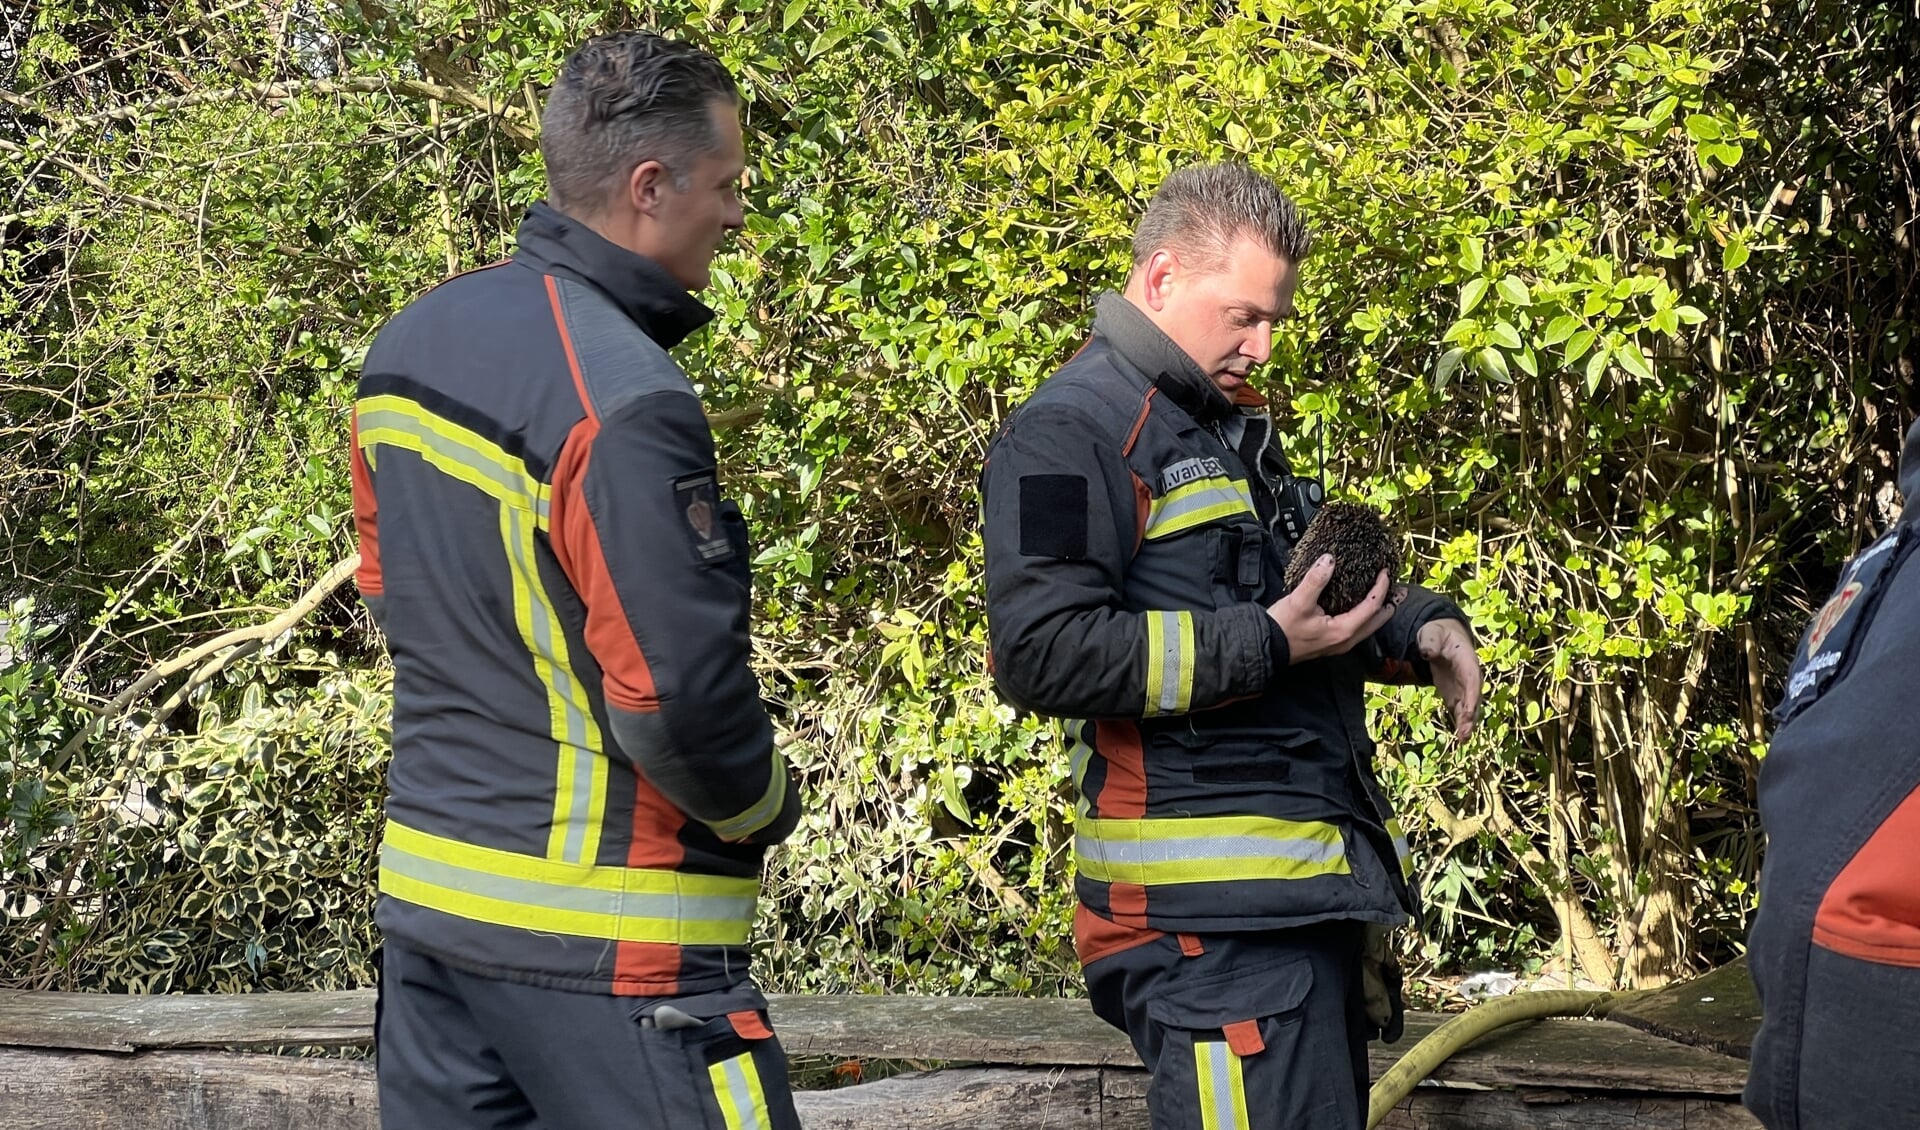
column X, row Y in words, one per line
column 1612, row 303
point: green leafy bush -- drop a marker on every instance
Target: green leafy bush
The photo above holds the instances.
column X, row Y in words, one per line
column 1608, row 307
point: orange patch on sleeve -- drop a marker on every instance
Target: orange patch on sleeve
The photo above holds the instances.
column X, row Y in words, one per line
column 1872, row 910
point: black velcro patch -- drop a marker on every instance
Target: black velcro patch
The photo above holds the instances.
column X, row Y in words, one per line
column 1053, row 516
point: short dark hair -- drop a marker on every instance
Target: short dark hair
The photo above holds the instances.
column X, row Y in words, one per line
column 1200, row 210
column 624, row 99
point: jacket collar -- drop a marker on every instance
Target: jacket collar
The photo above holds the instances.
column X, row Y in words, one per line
column 1143, row 345
column 552, row 242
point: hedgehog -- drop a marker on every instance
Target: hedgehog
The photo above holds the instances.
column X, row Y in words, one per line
column 1361, row 545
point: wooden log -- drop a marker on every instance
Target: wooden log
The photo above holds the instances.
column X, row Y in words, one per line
column 201, row 1090
column 183, row 1090
column 1442, row 1109
column 1004, row 1098
column 1586, row 1054
column 1719, row 1012
column 120, row 1023
column 1439, row 1107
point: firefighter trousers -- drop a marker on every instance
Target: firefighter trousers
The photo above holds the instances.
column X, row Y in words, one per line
column 457, row 1051
column 1255, row 1031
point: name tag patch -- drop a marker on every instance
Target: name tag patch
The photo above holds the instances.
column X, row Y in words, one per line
column 1187, row 470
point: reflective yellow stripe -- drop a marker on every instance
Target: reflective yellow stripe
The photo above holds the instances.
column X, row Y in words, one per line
column 580, row 788
column 505, row 888
column 764, row 811
column 1169, row 663
column 1206, row 849
column 580, row 785
column 743, row 1103
column 395, row 421
column 1079, row 752
column 1223, row 1089
column 1401, row 848
column 1196, row 504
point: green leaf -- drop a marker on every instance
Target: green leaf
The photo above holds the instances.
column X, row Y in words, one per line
column 1473, row 254
column 1494, row 364
column 1577, row 346
column 1528, row 363
column 1471, row 294
column 1665, row 321
column 1703, row 127
column 1634, row 361
column 1560, row 329
column 1504, row 335
column 795, row 10
column 828, row 40
column 1444, row 369
column 1596, row 368
column 1735, row 255
column 1689, row 315
column 1515, row 291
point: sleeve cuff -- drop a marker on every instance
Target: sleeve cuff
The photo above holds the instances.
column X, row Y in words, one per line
column 1279, row 651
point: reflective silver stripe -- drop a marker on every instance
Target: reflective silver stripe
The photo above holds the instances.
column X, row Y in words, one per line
column 1196, row 504
column 577, row 801
column 1079, row 752
column 1169, row 662
column 1208, row 847
column 764, row 810
column 744, row 1106
column 529, row 892
column 1222, row 1102
column 1403, row 852
column 510, row 483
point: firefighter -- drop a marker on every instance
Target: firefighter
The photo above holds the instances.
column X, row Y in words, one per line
column 1232, row 843
column 1835, row 949
column 584, row 778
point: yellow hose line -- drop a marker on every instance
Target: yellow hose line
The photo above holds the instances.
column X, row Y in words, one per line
column 1441, row 1044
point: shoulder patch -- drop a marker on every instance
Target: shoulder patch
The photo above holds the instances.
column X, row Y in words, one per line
column 618, row 361
column 1053, row 516
column 697, row 499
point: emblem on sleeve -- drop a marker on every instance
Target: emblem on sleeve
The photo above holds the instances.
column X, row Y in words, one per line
column 697, row 497
column 1830, row 615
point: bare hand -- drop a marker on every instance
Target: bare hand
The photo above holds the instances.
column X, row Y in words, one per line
column 1448, row 646
column 1311, row 633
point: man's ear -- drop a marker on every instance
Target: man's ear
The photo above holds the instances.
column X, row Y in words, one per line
column 646, row 184
column 1158, row 276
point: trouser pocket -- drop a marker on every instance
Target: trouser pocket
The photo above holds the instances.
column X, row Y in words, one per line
column 1237, row 1053
column 725, row 1069
column 1860, row 1044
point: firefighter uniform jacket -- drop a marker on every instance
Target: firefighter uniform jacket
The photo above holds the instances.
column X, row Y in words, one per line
column 1835, row 949
column 1131, row 553
column 583, row 776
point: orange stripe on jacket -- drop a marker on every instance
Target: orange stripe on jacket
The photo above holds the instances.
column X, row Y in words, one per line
column 1124, row 794
column 366, row 517
column 1095, row 937
column 566, row 342
column 626, row 677
column 651, row 968
column 1872, row 910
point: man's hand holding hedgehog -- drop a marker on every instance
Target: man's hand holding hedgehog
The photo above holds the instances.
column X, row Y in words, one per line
column 1324, row 613
column 1312, row 632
